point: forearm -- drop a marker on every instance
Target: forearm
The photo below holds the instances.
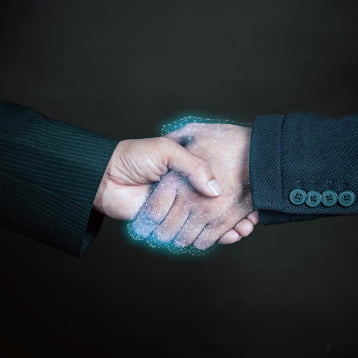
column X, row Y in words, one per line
column 50, row 172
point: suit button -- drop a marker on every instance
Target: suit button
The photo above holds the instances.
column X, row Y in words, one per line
column 297, row 196
column 313, row 199
column 329, row 198
column 346, row 198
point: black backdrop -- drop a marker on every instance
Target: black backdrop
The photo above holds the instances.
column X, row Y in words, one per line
column 121, row 68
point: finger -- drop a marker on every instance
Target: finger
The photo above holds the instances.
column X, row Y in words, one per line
column 162, row 198
column 155, row 208
column 172, row 223
column 190, row 231
column 241, row 229
column 197, row 170
column 142, row 226
column 209, row 236
column 229, row 237
column 254, row 217
column 244, row 228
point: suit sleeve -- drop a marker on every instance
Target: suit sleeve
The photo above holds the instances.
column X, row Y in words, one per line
column 49, row 175
column 303, row 166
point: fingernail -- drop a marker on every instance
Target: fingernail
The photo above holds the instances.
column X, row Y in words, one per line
column 214, row 187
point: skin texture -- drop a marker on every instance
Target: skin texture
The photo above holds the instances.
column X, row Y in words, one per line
column 185, row 217
column 136, row 164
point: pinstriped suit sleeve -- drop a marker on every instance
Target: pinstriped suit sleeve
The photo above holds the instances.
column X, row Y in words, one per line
column 303, row 151
column 49, row 175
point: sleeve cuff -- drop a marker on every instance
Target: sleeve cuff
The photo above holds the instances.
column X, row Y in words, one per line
column 305, row 152
column 50, row 173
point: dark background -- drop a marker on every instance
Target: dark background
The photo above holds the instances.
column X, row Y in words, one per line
column 121, row 68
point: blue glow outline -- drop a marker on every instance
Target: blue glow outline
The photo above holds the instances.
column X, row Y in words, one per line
column 150, row 241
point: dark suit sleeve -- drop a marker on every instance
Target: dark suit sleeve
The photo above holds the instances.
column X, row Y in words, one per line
column 49, row 175
column 305, row 152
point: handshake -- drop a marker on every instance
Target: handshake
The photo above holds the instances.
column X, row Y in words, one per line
column 186, row 190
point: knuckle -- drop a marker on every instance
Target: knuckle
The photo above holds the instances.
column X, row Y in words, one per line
column 163, row 142
column 201, row 164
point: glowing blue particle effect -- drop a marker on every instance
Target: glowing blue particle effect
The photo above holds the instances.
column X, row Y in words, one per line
column 143, row 227
column 182, row 122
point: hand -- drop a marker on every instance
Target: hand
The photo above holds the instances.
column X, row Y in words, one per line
column 136, row 164
column 176, row 212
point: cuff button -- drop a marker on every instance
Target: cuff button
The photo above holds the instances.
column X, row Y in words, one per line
column 313, row 199
column 329, row 198
column 346, row 198
column 297, row 196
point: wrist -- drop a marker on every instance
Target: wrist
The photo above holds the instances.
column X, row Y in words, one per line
column 98, row 200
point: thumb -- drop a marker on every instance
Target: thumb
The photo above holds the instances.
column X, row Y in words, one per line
column 196, row 169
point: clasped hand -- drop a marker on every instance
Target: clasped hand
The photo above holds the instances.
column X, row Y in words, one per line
column 202, row 193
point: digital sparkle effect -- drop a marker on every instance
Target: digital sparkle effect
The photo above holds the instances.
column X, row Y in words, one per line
column 143, row 226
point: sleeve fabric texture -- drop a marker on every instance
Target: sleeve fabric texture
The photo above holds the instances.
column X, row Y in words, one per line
column 49, row 175
column 302, row 151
